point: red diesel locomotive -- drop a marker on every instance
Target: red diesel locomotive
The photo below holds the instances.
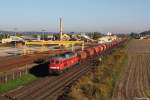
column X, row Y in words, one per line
column 63, row 61
column 68, row 59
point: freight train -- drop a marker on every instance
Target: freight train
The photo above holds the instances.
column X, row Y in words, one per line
column 68, row 59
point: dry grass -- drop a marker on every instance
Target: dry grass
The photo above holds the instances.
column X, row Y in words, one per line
column 99, row 83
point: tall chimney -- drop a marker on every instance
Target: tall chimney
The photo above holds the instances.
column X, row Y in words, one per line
column 61, row 28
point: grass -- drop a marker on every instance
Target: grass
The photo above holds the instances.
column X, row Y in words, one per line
column 100, row 82
column 12, row 84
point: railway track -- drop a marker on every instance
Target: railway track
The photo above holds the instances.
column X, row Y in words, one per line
column 49, row 87
column 21, row 61
column 135, row 81
column 10, row 63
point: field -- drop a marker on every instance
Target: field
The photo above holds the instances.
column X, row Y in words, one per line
column 134, row 83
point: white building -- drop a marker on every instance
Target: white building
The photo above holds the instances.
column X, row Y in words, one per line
column 106, row 39
column 7, row 40
column 11, row 39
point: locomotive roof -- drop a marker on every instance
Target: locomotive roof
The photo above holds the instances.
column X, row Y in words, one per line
column 64, row 55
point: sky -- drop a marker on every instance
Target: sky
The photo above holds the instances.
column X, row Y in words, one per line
column 121, row 16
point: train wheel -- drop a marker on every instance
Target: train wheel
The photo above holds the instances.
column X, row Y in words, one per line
column 77, row 64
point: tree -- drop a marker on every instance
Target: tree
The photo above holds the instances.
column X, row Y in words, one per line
column 134, row 35
column 96, row 35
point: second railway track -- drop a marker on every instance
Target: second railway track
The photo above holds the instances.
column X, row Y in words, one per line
column 49, row 87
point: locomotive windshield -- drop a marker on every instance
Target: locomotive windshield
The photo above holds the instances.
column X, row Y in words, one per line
column 65, row 55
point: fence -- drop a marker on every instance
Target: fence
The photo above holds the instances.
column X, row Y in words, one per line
column 15, row 73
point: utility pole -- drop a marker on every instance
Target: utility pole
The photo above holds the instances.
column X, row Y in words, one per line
column 43, row 31
column 15, row 40
column 43, row 34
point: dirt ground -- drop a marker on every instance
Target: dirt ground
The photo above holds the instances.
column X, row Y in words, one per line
column 134, row 83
